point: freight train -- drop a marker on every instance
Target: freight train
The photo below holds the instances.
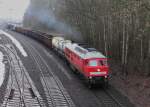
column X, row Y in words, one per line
column 82, row 59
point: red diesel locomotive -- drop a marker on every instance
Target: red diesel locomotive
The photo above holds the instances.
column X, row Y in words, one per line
column 89, row 62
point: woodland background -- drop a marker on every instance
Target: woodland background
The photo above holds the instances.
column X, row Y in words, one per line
column 118, row 28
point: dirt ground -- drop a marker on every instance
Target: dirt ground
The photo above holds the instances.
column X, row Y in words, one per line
column 135, row 86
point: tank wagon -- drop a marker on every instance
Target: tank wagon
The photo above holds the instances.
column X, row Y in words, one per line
column 59, row 44
column 82, row 59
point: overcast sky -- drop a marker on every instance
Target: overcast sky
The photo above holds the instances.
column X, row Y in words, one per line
column 13, row 9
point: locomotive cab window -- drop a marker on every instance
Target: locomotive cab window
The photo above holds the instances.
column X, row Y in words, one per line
column 92, row 63
column 103, row 62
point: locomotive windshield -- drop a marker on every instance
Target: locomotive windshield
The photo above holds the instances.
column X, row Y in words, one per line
column 94, row 63
column 103, row 62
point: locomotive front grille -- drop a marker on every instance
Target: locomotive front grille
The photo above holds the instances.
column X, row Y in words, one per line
column 98, row 73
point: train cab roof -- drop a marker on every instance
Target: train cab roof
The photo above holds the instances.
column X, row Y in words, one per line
column 91, row 49
column 85, row 53
column 94, row 54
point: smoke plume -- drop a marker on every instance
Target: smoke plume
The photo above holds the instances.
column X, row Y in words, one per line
column 40, row 16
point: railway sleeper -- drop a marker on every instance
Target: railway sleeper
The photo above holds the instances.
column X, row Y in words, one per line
column 32, row 93
column 11, row 94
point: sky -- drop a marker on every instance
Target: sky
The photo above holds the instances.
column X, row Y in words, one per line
column 13, row 9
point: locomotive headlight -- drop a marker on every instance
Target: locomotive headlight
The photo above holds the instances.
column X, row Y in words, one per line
column 98, row 70
column 90, row 77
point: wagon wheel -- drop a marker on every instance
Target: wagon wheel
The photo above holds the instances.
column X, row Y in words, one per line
column 106, row 84
column 90, row 84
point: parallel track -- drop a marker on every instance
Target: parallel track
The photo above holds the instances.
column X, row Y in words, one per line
column 20, row 90
column 106, row 98
column 56, row 94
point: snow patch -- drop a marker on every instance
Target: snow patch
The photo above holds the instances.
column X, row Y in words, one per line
column 2, row 68
column 16, row 42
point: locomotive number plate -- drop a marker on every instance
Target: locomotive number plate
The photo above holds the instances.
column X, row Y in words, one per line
column 97, row 73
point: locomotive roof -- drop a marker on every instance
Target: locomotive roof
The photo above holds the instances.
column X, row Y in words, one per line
column 94, row 54
column 85, row 53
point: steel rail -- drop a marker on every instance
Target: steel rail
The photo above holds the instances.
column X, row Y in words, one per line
column 11, row 82
column 115, row 100
column 58, row 83
column 26, row 77
column 17, row 82
column 38, row 65
column 41, row 58
column 22, row 70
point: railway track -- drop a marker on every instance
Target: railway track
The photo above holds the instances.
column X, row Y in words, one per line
column 109, row 97
column 56, row 94
column 106, row 99
column 20, row 91
column 121, row 100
